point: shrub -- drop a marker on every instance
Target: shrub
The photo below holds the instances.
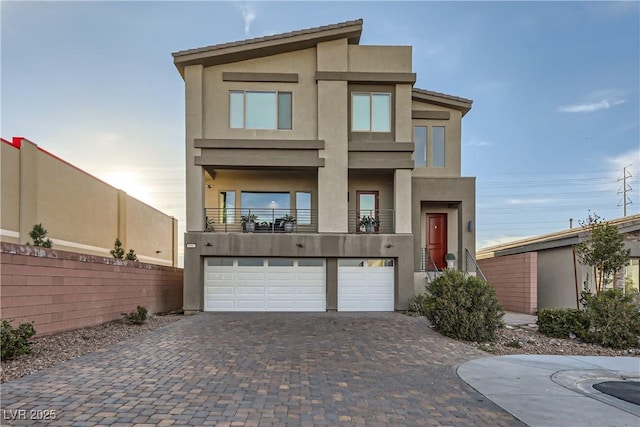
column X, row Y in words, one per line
column 137, row 317
column 131, row 255
column 15, row 342
column 39, row 234
column 416, row 304
column 561, row 322
column 117, row 251
column 463, row 307
column 614, row 320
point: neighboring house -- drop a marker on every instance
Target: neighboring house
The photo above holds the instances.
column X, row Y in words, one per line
column 543, row 272
column 313, row 125
column 81, row 213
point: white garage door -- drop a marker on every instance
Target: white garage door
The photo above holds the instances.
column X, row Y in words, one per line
column 366, row 285
column 264, row 284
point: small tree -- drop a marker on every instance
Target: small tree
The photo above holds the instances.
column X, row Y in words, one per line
column 131, row 255
column 38, row 234
column 117, row 251
column 603, row 251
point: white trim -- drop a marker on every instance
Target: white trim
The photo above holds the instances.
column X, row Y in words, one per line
column 9, row 233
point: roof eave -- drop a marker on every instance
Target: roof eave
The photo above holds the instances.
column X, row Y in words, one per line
column 449, row 101
column 267, row 46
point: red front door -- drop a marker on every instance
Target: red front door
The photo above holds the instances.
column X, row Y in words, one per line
column 437, row 239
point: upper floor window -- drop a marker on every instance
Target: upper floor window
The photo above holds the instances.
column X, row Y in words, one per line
column 371, row 112
column 429, row 152
column 260, row 110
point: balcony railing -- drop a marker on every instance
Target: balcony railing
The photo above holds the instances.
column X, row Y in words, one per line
column 382, row 221
column 231, row 220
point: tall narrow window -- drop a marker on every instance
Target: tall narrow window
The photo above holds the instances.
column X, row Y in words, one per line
column 303, row 208
column 420, row 140
column 260, row 110
column 438, row 146
column 236, row 109
column 226, row 204
column 371, row 112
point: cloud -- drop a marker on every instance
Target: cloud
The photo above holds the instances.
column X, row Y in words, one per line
column 596, row 101
column 528, row 201
column 478, row 143
column 248, row 15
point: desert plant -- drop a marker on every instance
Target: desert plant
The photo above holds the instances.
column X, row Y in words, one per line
column 248, row 218
column 39, row 234
column 614, row 320
column 15, row 342
column 289, row 219
column 131, row 255
column 367, row 220
column 562, row 322
column 463, row 307
column 604, row 250
column 117, row 251
column 137, row 317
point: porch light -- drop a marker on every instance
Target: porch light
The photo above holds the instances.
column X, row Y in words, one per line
column 470, row 226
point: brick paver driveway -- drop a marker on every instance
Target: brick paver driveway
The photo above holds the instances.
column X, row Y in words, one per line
column 264, row 369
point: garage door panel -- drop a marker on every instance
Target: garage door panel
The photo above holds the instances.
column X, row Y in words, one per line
column 264, row 285
column 368, row 287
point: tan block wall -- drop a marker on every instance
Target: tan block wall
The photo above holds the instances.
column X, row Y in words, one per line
column 515, row 279
column 387, row 59
column 60, row 290
column 10, row 190
column 80, row 212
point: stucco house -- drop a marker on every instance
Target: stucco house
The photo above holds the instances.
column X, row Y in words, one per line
column 312, row 125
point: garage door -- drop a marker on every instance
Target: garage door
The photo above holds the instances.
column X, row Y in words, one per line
column 366, row 284
column 264, row 284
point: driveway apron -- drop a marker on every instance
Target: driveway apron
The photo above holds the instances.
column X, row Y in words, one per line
column 373, row 369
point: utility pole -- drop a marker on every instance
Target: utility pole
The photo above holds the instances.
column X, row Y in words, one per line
column 625, row 188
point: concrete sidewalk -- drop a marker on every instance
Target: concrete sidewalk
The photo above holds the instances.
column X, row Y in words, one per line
column 555, row 390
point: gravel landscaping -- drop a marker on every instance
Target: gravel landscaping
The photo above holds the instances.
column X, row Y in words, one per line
column 50, row 350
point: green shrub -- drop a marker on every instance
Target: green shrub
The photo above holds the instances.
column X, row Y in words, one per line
column 561, row 322
column 463, row 307
column 39, row 234
column 416, row 304
column 15, row 342
column 614, row 320
column 131, row 255
column 137, row 317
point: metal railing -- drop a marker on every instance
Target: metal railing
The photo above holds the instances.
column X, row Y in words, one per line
column 428, row 265
column 470, row 261
column 382, row 221
column 265, row 220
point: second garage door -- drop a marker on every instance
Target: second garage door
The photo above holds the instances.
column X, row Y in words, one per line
column 264, row 284
column 366, row 284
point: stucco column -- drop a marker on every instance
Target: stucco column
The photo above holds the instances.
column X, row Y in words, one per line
column 332, row 128
column 193, row 261
column 194, row 87
column 28, row 213
column 402, row 200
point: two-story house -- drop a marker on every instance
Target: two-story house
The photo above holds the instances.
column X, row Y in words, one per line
column 312, row 126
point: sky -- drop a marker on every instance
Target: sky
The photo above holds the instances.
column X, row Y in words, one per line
column 555, row 89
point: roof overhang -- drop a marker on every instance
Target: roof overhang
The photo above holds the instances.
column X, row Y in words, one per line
column 266, row 46
column 442, row 99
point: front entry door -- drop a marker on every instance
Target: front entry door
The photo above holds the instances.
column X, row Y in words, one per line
column 437, row 239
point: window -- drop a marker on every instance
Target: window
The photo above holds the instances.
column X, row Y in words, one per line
column 280, row 262
column 437, row 146
column 227, row 203
column 260, row 110
column 310, row 262
column 220, row 262
column 371, row 112
column 429, row 151
column 267, row 206
column 303, row 208
column 250, row 262
column 420, row 139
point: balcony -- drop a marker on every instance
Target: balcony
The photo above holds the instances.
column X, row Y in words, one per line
column 231, row 220
column 377, row 221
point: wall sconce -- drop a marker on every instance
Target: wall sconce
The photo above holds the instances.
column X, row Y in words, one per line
column 470, row 226
column 208, row 244
column 389, row 246
column 158, row 252
column 209, row 186
column 300, row 245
